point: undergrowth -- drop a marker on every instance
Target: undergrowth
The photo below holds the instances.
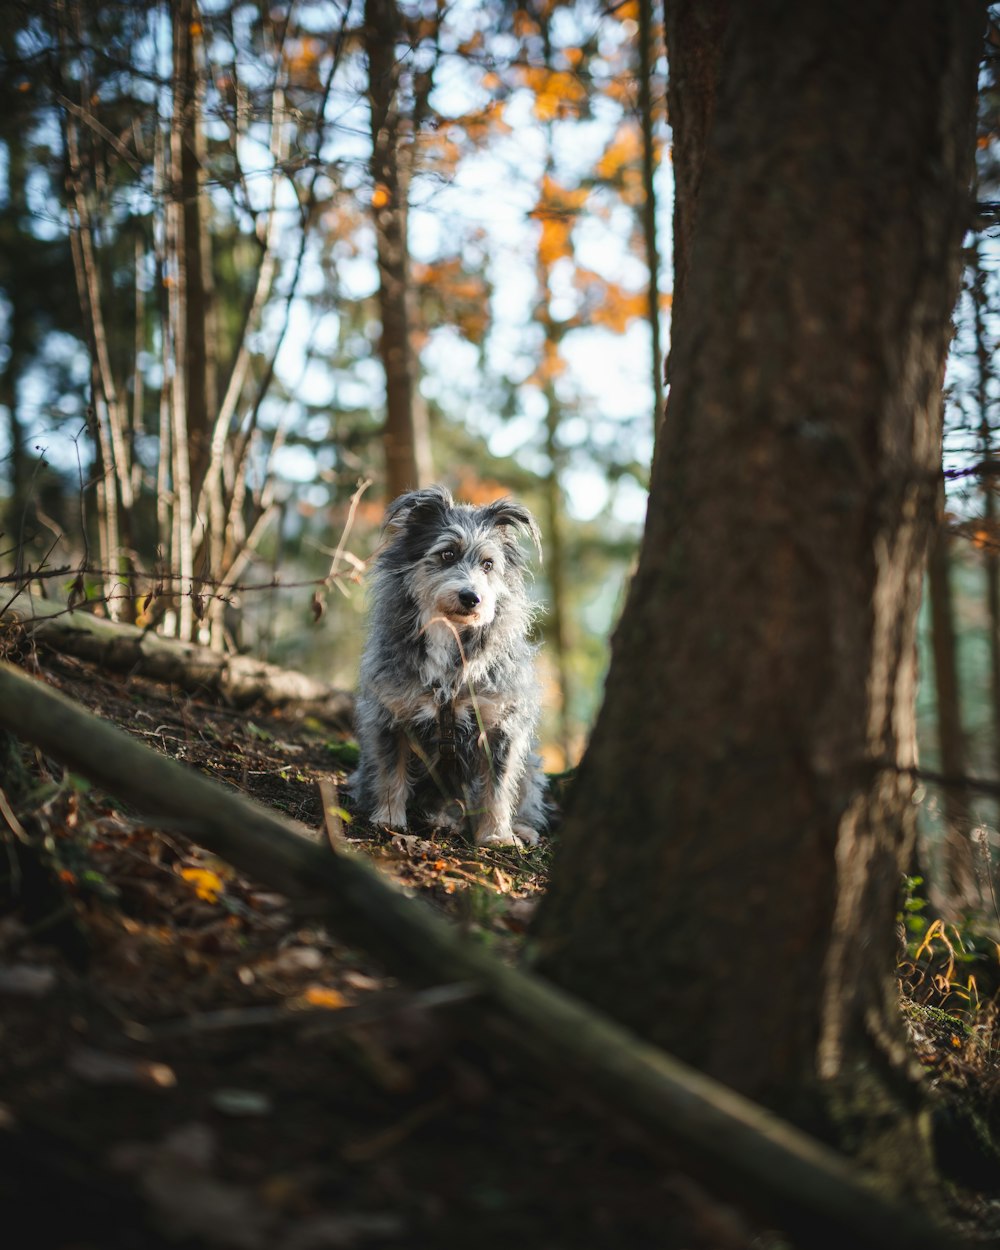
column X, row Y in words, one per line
column 949, row 981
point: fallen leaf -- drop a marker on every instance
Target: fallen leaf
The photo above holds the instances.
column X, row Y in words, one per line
column 208, row 885
column 294, row 959
column 361, row 981
column 100, row 1067
column 323, row 996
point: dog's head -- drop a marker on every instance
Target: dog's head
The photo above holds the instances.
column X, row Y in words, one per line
column 460, row 562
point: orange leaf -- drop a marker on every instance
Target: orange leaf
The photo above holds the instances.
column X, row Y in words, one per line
column 323, row 996
column 207, row 885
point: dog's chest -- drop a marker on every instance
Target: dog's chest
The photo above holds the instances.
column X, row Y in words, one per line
column 441, row 667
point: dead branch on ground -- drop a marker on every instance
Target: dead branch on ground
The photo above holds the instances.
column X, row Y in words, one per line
column 240, row 679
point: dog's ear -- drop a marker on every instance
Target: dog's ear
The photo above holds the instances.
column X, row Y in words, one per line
column 423, row 505
column 505, row 513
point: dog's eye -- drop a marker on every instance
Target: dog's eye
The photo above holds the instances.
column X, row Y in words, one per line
column 487, row 565
column 447, row 555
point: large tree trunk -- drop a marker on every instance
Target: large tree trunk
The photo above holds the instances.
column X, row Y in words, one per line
column 694, row 31
column 728, row 874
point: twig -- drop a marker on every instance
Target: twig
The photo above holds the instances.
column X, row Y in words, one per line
column 332, row 821
column 982, row 785
column 15, row 826
column 348, row 525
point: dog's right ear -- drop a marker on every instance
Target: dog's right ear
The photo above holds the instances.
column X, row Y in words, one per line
column 417, row 505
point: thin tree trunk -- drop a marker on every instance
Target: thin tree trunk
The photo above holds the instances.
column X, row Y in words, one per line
column 555, row 563
column 18, row 344
column 176, row 257
column 733, row 845
column 194, row 256
column 960, row 880
column 648, row 213
column 991, row 555
column 407, row 445
column 17, row 456
column 108, row 414
column 139, row 346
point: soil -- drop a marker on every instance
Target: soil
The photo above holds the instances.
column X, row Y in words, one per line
column 184, row 1061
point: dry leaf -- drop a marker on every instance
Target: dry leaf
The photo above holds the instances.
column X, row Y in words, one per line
column 208, row 885
column 324, row 996
column 100, row 1067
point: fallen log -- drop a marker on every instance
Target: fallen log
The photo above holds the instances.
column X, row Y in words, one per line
column 116, row 646
column 808, row 1189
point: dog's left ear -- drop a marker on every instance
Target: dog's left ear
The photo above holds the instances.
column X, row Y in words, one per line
column 505, row 513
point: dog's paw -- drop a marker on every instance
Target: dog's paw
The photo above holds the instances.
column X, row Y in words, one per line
column 526, row 834
column 519, row 836
column 389, row 820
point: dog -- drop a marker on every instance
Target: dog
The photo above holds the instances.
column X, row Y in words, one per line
column 448, row 703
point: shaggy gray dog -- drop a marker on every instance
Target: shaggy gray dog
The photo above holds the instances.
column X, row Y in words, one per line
column 447, row 700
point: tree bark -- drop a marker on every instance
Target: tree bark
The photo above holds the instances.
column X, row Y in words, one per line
column 646, row 65
column 405, row 437
column 732, row 848
column 791, row 1179
column 695, row 31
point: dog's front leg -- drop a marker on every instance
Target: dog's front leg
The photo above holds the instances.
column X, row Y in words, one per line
column 392, row 779
column 503, row 766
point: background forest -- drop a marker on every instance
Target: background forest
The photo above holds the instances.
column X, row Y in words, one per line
column 254, row 258
column 209, row 216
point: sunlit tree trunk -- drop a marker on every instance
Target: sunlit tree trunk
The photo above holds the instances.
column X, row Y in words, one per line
column 194, row 255
column 646, row 62
column 728, row 871
column 406, row 437
column 694, row 32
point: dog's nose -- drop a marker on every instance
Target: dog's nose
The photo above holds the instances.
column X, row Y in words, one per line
column 468, row 599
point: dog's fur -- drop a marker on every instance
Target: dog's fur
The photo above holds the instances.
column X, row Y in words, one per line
column 448, row 629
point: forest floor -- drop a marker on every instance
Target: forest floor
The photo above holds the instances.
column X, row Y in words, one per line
column 185, row 1061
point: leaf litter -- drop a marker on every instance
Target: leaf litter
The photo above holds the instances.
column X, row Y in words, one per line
column 190, row 1062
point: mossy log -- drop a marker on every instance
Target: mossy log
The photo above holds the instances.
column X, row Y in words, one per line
column 800, row 1184
column 239, row 679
